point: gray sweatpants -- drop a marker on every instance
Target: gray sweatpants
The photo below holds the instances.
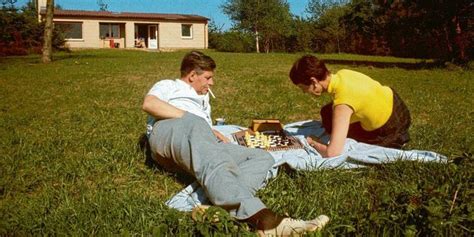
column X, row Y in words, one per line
column 230, row 174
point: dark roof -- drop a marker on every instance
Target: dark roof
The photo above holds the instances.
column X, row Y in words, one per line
column 126, row 15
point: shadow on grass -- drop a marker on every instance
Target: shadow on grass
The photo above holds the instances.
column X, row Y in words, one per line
column 409, row 66
column 180, row 176
column 36, row 59
column 85, row 56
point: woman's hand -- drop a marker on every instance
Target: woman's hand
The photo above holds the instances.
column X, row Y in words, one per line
column 320, row 147
column 340, row 126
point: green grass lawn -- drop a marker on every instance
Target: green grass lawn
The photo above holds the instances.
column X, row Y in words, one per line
column 70, row 166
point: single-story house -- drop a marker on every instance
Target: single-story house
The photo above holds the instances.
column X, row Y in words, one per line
column 105, row 29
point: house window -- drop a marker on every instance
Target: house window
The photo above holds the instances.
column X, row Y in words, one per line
column 71, row 30
column 186, row 31
column 109, row 30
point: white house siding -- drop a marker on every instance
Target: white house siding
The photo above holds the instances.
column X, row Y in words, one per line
column 170, row 36
column 169, row 27
column 130, row 34
column 90, row 34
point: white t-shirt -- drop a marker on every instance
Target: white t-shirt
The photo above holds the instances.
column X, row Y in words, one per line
column 183, row 96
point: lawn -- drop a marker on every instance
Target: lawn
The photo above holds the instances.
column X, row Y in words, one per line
column 70, row 164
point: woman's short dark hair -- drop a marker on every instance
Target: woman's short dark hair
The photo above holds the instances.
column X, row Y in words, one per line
column 306, row 67
column 197, row 61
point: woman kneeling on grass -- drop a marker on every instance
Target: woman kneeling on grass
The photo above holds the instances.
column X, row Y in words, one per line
column 361, row 107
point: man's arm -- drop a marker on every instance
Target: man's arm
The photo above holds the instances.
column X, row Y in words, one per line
column 163, row 110
column 160, row 109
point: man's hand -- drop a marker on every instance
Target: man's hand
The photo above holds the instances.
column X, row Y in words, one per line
column 220, row 136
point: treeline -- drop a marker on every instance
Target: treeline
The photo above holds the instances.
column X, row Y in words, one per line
column 423, row 29
column 20, row 31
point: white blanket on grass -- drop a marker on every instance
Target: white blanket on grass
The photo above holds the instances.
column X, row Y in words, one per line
column 355, row 155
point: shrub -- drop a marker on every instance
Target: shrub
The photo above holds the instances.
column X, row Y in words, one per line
column 21, row 33
column 234, row 41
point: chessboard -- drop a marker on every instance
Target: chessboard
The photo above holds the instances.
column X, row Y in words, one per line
column 267, row 140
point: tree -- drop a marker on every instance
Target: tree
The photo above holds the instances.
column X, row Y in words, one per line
column 21, row 33
column 102, row 6
column 267, row 19
column 214, row 32
column 276, row 25
column 436, row 28
column 365, row 33
column 48, row 32
column 327, row 17
column 246, row 14
column 11, row 3
column 318, row 8
column 329, row 29
column 301, row 35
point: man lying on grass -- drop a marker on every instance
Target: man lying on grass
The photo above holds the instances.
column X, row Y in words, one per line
column 361, row 107
column 181, row 140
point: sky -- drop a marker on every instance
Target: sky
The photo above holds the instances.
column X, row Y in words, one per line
column 207, row 8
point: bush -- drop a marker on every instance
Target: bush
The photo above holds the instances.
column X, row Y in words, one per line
column 21, row 33
column 233, row 41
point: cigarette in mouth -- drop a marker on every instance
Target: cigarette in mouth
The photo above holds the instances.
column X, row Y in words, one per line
column 212, row 94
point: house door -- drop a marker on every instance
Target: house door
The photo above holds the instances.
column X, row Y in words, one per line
column 152, row 37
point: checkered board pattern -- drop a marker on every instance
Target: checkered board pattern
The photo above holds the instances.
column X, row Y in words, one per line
column 270, row 141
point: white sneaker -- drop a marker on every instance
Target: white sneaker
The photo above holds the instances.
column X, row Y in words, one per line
column 293, row 227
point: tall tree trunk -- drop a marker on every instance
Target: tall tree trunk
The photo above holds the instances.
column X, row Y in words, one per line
column 448, row 42
column 459, row 39
column 256, row 42
column 267, row 46
column 48, row 33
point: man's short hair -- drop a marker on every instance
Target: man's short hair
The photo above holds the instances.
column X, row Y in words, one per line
column 198, row 62
column 306, row 67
